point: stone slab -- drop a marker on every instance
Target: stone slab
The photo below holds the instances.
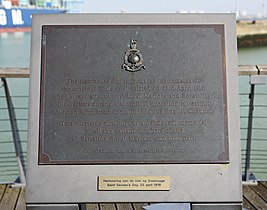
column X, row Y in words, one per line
column 77, row 183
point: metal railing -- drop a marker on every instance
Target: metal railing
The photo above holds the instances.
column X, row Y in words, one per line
column 253, row 109
column 257, row 76
column 13, row 128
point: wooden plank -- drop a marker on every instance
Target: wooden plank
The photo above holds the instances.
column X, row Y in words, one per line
column 247, row 70
column 260, row 190
column 263, row 69
column 264, row 184
column 10, row 198
column 254, row 198
column 92, row 206
column 14, row 72
column 21, row 200
column 247, row 205
column 139, row 206
column 124, row 206
column 2, row 191
column 107, row 206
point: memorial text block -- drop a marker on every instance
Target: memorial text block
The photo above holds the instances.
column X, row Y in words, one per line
column 133, row 94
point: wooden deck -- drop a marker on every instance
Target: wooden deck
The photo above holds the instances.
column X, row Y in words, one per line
column 254, row 197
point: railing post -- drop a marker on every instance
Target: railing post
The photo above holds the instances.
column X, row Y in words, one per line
column 254, row 80
column 249, row 133
column 15, row 133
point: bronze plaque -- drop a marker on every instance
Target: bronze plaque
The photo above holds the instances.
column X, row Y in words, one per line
column 133, row 183
column 133, row 94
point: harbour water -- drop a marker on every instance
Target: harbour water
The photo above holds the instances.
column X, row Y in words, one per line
column 15, row 52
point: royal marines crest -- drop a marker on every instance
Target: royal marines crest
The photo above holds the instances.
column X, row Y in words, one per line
column 133, row 59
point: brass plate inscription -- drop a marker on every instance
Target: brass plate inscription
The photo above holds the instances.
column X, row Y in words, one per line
column 94, row 112
column 135, row 183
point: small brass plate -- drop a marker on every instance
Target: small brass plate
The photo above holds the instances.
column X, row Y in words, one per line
column 135, row 183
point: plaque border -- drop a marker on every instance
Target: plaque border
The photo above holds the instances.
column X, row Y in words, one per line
column 44, row 159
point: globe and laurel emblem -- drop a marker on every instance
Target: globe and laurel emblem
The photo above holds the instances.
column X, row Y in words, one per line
column 133, row 59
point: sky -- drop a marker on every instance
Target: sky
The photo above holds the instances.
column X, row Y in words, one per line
column 172, row 6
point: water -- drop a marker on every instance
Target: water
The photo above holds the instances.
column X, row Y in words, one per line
column 15, row 52
column 252, row 56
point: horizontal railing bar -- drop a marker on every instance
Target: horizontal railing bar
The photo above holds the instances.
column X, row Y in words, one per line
column 256, row 159
column 263, row 157
column 6, row 142
column 21, row 154
column 261, row 129
column 259, row 172
column 14, row 108
column 8, row 131
column 3, row 153
column 259, row 94
column 262, row 69
column 258, row 155
column 254, row 117
column 260, row 168
column 9, row 161
column 264, row 151
column 8, row 157
column 245, row 140
column 260, row 159
column 248, row 70
column 14, row 96
column 8, row 170
column 260, row 106
column 264, row 129
column 7, row 153
column 9, row 174
column 18, row 119
column 14, row 73
column 15, row 164
column 256, row 150
column 259, row 165
column 6, row 166
column 11, row 142
column 25, row 72
column 254, row 156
